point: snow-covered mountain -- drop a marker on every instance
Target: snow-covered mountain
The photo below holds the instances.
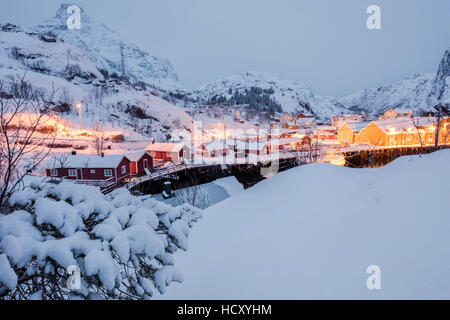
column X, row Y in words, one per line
column 419, row 92
column 49, row 64
column 27, row 52
column 412, row 92
column 84, row 55
column 105, row 48
column 269, row 90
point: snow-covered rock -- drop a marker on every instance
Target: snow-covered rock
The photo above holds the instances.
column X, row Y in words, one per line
column 311, row 233
column 290, row 96
column 103, row 46
column 441, row 84
column 22, row 52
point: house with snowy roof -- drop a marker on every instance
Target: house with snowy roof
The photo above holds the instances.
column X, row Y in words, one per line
column 258, row 147
column 214, row 148
column 305, row 122
column 293, row 143
column 399, row 132
column 338, row 120
column 174, row 152
column 102, row 171
column 348, row 132
column 326, row 134
column 396, row 113
column 141, row 162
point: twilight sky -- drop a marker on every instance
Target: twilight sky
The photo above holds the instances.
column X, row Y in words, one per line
column 324, row 43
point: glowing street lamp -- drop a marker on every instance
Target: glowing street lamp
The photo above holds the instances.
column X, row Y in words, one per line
column 79, row 107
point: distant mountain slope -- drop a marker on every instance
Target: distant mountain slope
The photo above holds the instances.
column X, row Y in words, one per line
column 22, row 51
column 412, row 92
column 269, row 90
column 103, row 46
column 420, row 92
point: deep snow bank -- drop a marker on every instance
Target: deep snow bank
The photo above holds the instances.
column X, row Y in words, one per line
column 311, row 232
column 204, row 195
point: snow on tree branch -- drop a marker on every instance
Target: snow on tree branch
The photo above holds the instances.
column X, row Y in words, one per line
column 122, row 245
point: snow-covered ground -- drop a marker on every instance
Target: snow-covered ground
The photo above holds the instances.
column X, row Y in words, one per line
column 312, row 232
column 205, row 195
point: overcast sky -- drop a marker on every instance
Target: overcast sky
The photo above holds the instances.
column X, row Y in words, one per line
column 324, row 43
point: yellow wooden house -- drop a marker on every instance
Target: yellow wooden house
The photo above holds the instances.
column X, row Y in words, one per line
column 395, row 133
column 348, row 132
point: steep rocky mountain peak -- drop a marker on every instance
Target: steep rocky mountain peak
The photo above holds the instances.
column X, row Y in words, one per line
column 106, row 48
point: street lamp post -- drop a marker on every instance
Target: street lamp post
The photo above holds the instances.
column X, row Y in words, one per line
column 79, row 114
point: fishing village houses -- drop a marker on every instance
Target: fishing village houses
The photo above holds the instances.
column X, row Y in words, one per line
column 291, row 137
column 102, row 171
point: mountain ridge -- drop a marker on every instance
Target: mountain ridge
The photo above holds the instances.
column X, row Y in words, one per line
column 265, row 91
column 105, row 46
column 419, row 92
column 291, row 96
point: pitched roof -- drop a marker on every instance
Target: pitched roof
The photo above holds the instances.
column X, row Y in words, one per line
column 347, row 116
column 357, row 126
column 402, row 124
column 306, row 120
column 136, row 155
column 216, row 145
column 252, row 145
column 165, row 147
column 326, row 128
column 86, row 161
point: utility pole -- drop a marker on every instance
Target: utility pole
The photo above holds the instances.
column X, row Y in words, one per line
column 79, row 107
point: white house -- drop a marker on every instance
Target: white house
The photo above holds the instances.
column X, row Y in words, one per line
column 338, row 120
column 396, row 113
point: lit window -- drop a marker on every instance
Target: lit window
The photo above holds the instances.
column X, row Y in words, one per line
column 108, row 173
column 72, row 173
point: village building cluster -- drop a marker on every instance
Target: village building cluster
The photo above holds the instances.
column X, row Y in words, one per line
column 286, row 136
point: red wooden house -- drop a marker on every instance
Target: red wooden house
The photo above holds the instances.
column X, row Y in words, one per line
column 140, row 161
column 102, row 171
column 175, row 152
column 325, row 133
